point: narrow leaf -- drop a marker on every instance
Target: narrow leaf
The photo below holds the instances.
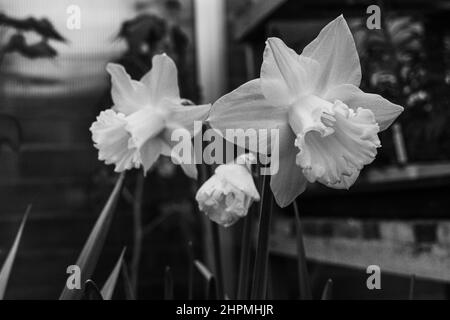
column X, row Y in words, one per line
column 204, row 271
column 129, row 293
column 303, row 277
column 244, row 267
column 7, row 266
column 327, row 293
column 217, row 259
column 91, row 291
column 89, row 255
column 211, row 286
column 211, row 290
column 110, row 284
column 259, row 288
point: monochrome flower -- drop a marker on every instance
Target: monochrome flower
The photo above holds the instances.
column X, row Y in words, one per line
column 138, row 128
column 227, row 195
column 328, row 127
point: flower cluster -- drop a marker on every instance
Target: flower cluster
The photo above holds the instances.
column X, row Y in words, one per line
column 328, row 127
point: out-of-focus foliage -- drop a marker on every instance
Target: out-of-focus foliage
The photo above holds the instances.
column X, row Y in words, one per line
column 147, row 35
column 406, row 63
column 10, row 130
column 17, row 42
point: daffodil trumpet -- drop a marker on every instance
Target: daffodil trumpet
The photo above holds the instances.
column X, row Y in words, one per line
column 227, row 195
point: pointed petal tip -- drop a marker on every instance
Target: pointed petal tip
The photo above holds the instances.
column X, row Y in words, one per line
column 273, row 43
column 161, row 56
column 340, row 19
column 111, row 67
column 282, row 203
column 273, row 39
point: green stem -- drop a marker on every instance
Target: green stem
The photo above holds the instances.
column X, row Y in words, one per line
column 303, row 277
column 259, row 287
column 244, row 268
column 137, row 232
column 217, row 259
column 191, row 271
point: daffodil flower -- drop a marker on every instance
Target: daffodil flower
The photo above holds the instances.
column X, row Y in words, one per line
column 138, row 128
column 228, row 194
column 328, row 126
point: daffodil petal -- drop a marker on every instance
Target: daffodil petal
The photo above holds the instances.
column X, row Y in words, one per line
column 240, row 177
column 187, row 162
column 282, row 76
column 128, row 95
column 288, row 183
column 150, row 152
column 385, row 111
column 335, row 50
column 247, row 108
column 162, row 80
column 346, row 181
column 111, row 140
column 144, row 125
column 185, row 116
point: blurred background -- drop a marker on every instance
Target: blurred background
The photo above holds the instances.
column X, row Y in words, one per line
column 53, row 84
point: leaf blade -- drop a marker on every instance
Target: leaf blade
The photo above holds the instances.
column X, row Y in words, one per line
column 327, row 293
column 110, row 284
column 303, row 276
column 88, row 257
column 8, row 264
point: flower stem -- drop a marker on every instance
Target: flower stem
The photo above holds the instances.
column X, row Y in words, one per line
column 262, row 251
column 303, row 278
column 244, row 268
column 217, row 259
column 191, row 271
column 137, row 232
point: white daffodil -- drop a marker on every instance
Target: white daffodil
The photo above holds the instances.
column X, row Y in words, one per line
column 228, row 194
column 328, row 126
column 138, row 128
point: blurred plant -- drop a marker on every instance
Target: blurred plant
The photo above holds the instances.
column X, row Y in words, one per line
column 147, row 35
column 10, row 130
column 406, row 64
column 17, row 43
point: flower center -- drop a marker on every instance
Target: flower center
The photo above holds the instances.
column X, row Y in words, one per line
column 335, row 141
